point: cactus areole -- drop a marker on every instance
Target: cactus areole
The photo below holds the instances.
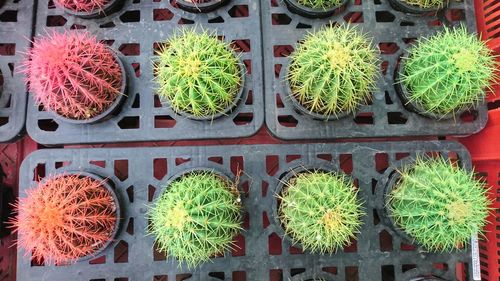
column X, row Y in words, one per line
column 75, row 77
column 197, row 216
column 67, row 218
column 316, row 8
column 200, row 6
column 435, row 204
column 318, row 209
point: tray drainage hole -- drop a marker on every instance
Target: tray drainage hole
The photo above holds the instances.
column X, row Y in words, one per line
column 385, row 241
column 388, row 273
column 162, row 15
column 280, row 19
column 384, row 16
column 239, row 11
column 274, row 244
column 121, row 252
column 55, row 21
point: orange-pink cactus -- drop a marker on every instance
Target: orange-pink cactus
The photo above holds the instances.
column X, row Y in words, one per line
column 83, row 5
column 64, row 218
column 73, row 74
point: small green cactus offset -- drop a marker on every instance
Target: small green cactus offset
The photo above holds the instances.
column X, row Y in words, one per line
column 333, row 70
column 196, row 217
column 320, row 210
column 448, row 71
column 438, row 204
column 198, row 74
column 426, row 4
column 320, row 4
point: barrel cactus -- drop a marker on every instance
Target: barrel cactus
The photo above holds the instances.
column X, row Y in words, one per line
column 425, row 4
column 73, row 74
column 438, row 204
column 320, row 210
column 64, row 218
column 448, row 71
column 83, row 5
column 198, row 74
column 333, row 70
column 320, row 4
column 196, row 217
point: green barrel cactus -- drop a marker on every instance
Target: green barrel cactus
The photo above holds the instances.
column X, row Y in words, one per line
column 320, row 4
column 198, row 74
column 320, row 210
column 438, row 204
column 426, row 4
column 448, row 71
column 196, row 217
column 333, row 71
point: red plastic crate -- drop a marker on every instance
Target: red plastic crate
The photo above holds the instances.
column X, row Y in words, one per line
column 488, row 25
column 486, row 159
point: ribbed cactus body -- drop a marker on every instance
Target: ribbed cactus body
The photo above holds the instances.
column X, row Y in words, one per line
column 320, row 210
column 426, row 4
column 320, row 4
column 64, row 218
column 73, row 74
column 448, row 71
column 198, row 74
column 439, row 205
column 83, row 5
column 196, row 218
column 333, row 71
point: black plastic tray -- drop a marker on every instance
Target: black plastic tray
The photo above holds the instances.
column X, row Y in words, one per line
column 133, row 31
column 139, row 172
column 392, row 31
column 16, row 27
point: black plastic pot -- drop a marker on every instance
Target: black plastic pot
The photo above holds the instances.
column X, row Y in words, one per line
column 404, row 95
column 302, row 10
column 283, row 180
column 108, row 185
column 112, row 109
column 240, row 95
column 111, row 7
column 201, row 7
column 412, row 9
column 307, row 112
column 394, row 178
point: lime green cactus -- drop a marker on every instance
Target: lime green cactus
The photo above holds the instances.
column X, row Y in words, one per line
column 333, row 71
column 320, row 210
column 198, row 74
column 426, row 4
column 196, row 217
column 448, row 71
column 438, row 204
column 320, row 4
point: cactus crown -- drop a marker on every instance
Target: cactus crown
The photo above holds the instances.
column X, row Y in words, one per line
column 83, row 5
column 198, row 74
column 320, row 4
column 448, row 71
column 73, row 74
column 320, row 210
column 196, row 217
column 333, row 70
column 426, row 4
column 64, row 218
column 439, row 205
